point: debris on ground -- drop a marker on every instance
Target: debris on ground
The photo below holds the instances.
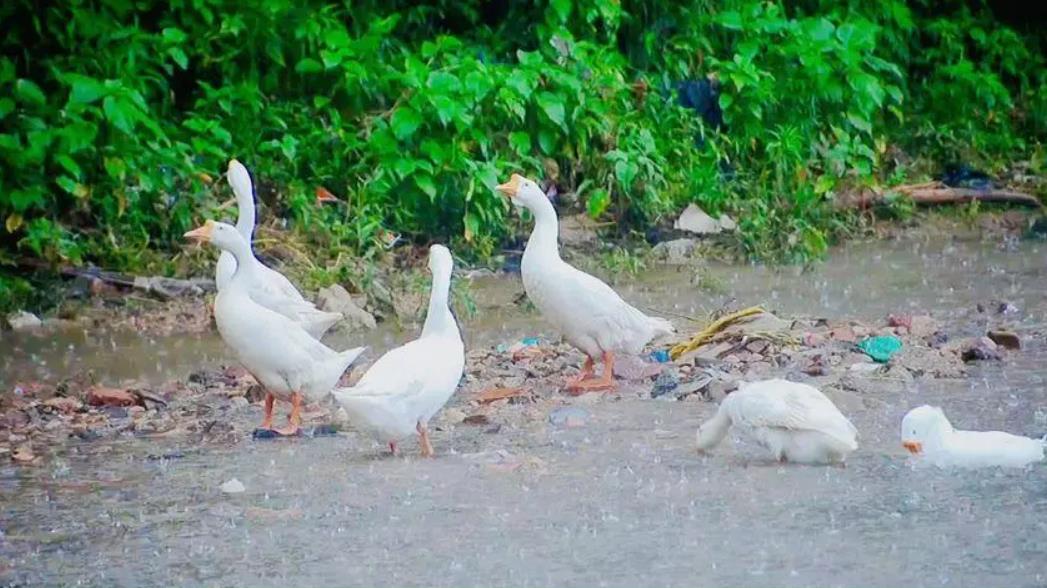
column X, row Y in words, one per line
column 881, row 348
column 1005, row 339
column 695, row 220
column 569, row 417
column 102, row 396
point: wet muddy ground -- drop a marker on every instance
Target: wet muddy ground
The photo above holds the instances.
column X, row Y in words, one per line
column 547, row 489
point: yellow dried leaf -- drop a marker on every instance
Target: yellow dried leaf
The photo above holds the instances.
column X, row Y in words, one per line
column 13, row 222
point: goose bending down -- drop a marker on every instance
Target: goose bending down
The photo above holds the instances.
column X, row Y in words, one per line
column 931, row 438
column 408, row 385
column 279, row 353
column 590, row 315
column 266, row 286
column 794, row 421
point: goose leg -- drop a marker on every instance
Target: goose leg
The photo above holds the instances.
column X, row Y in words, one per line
column 423, row 439
column 267, row 421
column 585, row 374
column 295, row 418
column 604, row 382
column 392, row 448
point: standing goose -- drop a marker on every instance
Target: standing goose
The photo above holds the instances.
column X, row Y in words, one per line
column 408, row 385
column 794, row 421
column 279, row 353
column 930, row 437
column 590, row 315
column 266, row 286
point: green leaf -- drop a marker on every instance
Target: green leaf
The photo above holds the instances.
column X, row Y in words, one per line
column 478, row 84
column 520, row 142
column 726, row 100
column 85, row 90
column 446, row 108
column 730, row 19
column 562, row 9
column 115, row 167
column 547, row 141
column 173, row 35
column 471, row 223
column 179, row 57
column 66, row 183
column 425, row 184
column 27, row 91
column 553, row 107
column 443, row 82
column 598, row 202
column 531, row 59
column 626, row 172
column 68, row 164
column 308, row 65
column 118, row 112
column 7, row 106
column 859, row 122
column 405, row 121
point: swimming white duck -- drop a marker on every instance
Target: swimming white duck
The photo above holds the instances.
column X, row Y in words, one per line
column 408, row 385
column 279, row 353
column 265, row 285
column 590, row 315
column 794, row 421
column 931, row 438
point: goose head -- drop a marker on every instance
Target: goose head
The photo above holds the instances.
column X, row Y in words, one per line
column 440, row 261
column 923, row 426
column 524, row 192
column 221, row 235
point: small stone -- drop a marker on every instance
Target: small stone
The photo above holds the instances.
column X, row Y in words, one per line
column 1006, row 339
column 335, row 298
column 757, row 346
column 569, row 417
column 63, row 404
column 727, row 223
column 23, row 321
column 115, row 412
column 1006, row 309
column 23, row 454
column 476, row 419
column 980, row 349
column 697, row 221
column 233, row 486
column 666, row 383
column 102, row 396
column 239, row 402
column 451, row 416
column 675, row 251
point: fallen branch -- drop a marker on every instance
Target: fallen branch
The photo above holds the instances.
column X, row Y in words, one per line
column 932, row 193
column 706, row 334
column 160, row 286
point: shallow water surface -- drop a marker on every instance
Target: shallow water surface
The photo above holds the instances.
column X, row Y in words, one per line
column 621, row 501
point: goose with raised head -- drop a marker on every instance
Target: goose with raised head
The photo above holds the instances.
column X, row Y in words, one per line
column 590, row 315
column 409, row 384
column 929, row 436
column 265, row 285
column 794, row 421
column 280, row 354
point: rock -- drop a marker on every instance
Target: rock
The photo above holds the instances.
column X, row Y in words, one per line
column 695, row 220
column 577, row 230
column 63, row 404
column 1005, row 339
column 476, row 419
column 631, row 367
column 23, row 454
column 666, row 383
column 335, row 298
column 102, row 396
column 675, row 251
column 451, row 416
column 1007, row 309
column 23, row 321
column 938, row 339
column 978, row 349
column 719, row 389
column 233, row 486
column 569, row 417
column 727, row 223
column 239, row 402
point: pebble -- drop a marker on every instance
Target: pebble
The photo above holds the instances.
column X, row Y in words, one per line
column 239, row 402
column 569, row 417
column 233, row 486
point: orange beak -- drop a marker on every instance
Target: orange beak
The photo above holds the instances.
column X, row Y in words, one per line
column 914, row 447
column 324, row 195
column 510, row 188
column 201, row 234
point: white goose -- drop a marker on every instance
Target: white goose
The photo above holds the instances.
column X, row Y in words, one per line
column 590, row 315
column 278, row 352
column 266, row 286
column 931, row 438
column 408, row 385
column 794, row 421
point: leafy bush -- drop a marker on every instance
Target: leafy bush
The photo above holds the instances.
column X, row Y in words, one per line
column 116, row 118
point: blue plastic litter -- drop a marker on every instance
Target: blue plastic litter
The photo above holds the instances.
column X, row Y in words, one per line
column 660, row 355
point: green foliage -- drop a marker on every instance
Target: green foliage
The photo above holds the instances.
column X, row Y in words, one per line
column 116, row 118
